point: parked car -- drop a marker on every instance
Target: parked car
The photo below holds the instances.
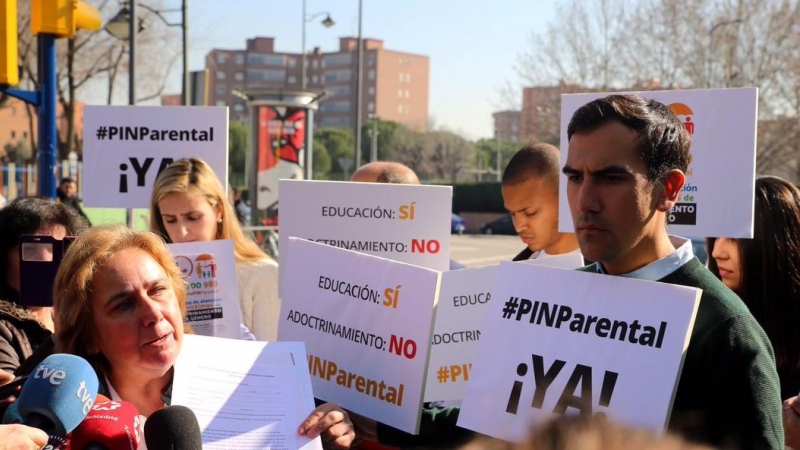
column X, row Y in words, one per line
column 457, row 224
column 503, row 225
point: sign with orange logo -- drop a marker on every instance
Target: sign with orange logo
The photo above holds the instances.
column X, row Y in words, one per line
column 722, row 125
column 212, row 292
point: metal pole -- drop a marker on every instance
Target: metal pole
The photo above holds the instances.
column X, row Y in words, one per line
column 499, row 159
column 129, row 216
column 185, row 29
column 47, row 117
column 358, row 88
column 303, row 52
column 710, row 49
column 373, row 154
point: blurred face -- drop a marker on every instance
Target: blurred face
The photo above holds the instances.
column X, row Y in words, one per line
column 57, row 231
column 726, row 255
column 70, row 189
column 613, row 204
column 533, row 206
column 137, row 319
column 188, row 217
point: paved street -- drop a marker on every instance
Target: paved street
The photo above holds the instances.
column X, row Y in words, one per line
column 483, row 250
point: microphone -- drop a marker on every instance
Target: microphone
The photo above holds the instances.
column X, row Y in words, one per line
column 58, row 394
column 173, row 428
column 112, row 425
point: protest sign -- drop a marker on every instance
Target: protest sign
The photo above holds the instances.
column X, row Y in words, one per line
column 722, row 125
column 564, row 341
column 126, row 147
column 212, row 292
column 367, row 324
column 408, row 223
column 460, row 316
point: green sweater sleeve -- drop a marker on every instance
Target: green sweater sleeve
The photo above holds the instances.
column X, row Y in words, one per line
column 437, row 429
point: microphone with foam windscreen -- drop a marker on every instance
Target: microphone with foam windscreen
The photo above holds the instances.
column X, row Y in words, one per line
column 58, row 394
column 173, row 428
column 112, row 425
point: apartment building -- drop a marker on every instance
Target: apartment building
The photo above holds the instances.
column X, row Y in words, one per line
column 394, row 84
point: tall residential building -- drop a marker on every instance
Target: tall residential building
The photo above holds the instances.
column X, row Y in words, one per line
column 506, row 126
column 394, row 84
column 540, row 118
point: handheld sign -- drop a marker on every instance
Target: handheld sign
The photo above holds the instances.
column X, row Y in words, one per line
column 366, row 322
column 563, row 342
column 460, row 315
column 408, row 223
column 722, row 125
column 126, row 147
column 212, row 292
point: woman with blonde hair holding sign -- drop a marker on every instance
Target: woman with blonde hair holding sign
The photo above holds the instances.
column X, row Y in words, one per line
column 189, row 205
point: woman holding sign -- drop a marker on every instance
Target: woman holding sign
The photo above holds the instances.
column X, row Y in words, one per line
column 120, row 302
column 190, row 205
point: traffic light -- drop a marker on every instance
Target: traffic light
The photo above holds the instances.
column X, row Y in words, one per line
column 9, row 74
column 63, row 18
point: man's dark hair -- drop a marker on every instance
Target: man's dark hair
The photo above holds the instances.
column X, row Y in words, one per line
column 536, row 161
column 26, row 215
column 66, row 180
column 664, row 142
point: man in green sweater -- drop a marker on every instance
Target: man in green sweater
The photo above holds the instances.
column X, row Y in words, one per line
column 625, row 168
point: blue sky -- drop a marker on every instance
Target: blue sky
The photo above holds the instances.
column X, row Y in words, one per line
column 472, row 45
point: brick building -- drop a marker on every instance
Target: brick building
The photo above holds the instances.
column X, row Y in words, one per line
column 16, row 118
column 394, row 84
column 506, row 126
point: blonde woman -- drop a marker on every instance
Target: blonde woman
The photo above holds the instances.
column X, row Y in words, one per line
column 190, row 205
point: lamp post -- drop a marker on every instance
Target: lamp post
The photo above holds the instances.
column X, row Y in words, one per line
column 499, row 154
column 327, row 22
column 359, row 68
column 122, row 27
column 711, row 31
column 373, row 134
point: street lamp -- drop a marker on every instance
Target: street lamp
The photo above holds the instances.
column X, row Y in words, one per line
column 373, row 134
column 711, row 43
column 121, row 27
column 327, row 22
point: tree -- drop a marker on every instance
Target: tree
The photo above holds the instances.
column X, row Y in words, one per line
column 450, row 154
column 386, row 139
column 618, row 44
column 340, row 145
column 321, row 161
column 237, row 152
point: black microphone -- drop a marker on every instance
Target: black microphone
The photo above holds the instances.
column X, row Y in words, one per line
column 173, row 428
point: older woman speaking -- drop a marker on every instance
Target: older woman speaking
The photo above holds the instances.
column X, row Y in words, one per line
column 120, row 302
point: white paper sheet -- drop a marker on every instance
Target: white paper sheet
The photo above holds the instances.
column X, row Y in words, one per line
column 245, row 394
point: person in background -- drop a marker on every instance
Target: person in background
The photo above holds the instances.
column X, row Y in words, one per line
column 189, row 205
column 530, row 195
column 390, row 172
column 625, row 168
column 120, row 301
column 23, row 330
column 67, row 194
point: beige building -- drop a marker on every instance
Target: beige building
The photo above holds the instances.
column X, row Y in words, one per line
column 394, row 84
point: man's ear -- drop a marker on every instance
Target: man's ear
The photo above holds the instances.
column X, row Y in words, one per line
column 670, row 190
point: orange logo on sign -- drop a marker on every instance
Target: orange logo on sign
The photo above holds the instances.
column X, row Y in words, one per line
column 681, row 109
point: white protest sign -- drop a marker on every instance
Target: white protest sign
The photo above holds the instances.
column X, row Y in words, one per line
column 460, row 316
column 408, row 223
column 564, row 341
column 722, row 124
column 212, row 292
column 125, row 147
column 367, row 324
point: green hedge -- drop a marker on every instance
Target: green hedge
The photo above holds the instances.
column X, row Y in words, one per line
column 478, row 197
